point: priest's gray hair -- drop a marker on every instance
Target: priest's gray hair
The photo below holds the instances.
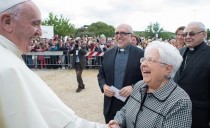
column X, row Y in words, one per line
column 199, row 24
column 128, row 27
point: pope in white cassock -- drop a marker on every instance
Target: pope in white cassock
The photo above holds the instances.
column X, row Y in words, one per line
column 25, row 100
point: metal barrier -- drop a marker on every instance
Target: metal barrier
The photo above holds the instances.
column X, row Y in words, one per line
column 56, row 59
column 94, row 59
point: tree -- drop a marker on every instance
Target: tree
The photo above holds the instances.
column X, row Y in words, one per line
column 84, row 31
column 153, row 30
column 101, row 28
column 166, row 35
column 96, row 29
column 61, row 25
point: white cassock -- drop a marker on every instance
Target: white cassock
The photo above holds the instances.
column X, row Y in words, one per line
column 25, row 99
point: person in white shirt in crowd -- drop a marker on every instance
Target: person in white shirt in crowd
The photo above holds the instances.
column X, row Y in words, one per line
column 102, row 41
column 25, row 100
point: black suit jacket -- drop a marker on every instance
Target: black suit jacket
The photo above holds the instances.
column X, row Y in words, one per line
column 81, row 53
column 132, row 72
column 195, row 80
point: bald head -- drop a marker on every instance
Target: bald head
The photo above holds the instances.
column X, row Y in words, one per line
column 199, row 25
column 127, row 27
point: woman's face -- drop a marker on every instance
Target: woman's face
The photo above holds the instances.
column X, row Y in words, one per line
column 179, row 36
column 153, row 71
column 134, row 41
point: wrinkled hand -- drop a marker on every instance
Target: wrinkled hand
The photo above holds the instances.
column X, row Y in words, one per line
column 107, row 91
column 113, row 124
column 126, row 91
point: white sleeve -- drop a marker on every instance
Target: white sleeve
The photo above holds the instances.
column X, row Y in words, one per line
column 82, row 123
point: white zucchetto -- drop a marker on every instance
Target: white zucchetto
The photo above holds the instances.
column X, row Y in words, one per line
column 6, row 4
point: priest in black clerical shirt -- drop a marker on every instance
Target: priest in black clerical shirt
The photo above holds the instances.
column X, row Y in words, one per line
column 120, row 68
column 194, row 73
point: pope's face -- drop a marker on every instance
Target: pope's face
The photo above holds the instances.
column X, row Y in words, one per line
column 27, row 26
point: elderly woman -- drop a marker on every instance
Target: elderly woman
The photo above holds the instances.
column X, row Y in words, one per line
column 156, row 101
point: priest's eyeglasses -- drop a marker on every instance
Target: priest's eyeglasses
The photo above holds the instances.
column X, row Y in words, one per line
column 191, row 34
column 122, row 33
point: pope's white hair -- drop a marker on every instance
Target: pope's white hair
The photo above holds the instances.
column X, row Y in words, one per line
column 16, row 11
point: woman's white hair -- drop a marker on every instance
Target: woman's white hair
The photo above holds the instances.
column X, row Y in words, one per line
column 168, row 54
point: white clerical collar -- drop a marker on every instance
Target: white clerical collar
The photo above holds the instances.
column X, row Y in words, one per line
column 122, row 49
column 191, row 49
column 10, row 46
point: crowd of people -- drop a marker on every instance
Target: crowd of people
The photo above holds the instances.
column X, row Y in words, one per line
column 66, row 45
column 164, row 84
column 91, row 44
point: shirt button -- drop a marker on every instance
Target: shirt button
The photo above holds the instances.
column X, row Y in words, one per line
column 133, row 123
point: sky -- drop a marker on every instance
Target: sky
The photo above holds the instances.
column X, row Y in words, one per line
column 170, row 14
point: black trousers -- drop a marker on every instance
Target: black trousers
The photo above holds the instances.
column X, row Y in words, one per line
column 115, row 106
column 200, row 117
column 79, row 70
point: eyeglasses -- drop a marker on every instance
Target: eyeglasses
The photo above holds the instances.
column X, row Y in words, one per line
column 191, row 33
column 150, row 60
column 122, row 33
